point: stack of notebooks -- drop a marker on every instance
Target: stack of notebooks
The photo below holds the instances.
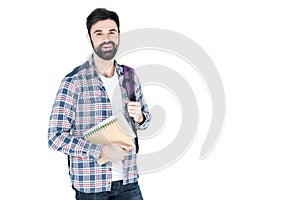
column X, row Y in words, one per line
column 114, row 129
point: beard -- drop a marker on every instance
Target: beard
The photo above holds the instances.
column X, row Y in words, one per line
column 106, row 54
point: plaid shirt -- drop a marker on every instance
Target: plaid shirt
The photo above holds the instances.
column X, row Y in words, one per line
column 81, row 103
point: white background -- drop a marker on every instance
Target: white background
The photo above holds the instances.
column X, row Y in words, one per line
column 255, row 47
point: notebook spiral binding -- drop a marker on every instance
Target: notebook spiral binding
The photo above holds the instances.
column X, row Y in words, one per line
column 100, row 127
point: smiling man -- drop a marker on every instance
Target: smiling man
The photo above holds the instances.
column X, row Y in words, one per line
column 91, row 93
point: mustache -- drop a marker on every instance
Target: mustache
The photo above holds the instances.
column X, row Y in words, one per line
column 106, row 43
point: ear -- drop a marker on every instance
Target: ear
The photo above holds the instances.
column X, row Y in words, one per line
column 88, row 38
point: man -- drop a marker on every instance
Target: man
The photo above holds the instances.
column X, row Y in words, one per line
column 88, row 95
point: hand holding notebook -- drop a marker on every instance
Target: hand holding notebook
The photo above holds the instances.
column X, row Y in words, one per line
column 114, row 152
column 114, row 129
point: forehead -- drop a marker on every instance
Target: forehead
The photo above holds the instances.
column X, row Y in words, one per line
column 104, row 25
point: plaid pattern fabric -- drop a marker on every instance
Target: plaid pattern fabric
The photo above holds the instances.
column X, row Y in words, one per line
column 81, row 103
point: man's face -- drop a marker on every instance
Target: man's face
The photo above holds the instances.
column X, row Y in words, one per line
column 105, row 38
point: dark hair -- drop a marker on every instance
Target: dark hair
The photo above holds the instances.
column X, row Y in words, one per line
column 101, row 14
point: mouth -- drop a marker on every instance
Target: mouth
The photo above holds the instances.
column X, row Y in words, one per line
column 107, row 47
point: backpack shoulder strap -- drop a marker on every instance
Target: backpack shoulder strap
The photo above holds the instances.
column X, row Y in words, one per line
column 128, row 82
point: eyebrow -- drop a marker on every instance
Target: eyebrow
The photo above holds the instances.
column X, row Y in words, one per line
column 110, row 30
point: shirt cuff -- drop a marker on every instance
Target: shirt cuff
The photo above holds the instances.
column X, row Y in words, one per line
column 95, row 150
column 145, row 123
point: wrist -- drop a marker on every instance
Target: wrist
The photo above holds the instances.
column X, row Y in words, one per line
column 142, row 120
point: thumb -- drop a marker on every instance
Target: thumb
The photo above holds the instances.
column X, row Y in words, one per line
column 125, row 147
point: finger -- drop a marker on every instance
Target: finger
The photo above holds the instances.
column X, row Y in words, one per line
column 134, row 111
column 132, row 115
column 135, row 115
column 133, row 103
column 134, row 107
column 125, row 147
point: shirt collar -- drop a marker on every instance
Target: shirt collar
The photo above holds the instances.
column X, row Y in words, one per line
column 93, row 67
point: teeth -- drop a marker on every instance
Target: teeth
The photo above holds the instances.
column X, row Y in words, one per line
column 109, row 46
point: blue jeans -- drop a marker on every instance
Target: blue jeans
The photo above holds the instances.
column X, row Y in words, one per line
column 118, row 192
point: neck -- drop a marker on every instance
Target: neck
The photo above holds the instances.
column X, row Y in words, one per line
column 104, row 67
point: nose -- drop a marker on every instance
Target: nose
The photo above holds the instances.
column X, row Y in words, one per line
column 106, row 37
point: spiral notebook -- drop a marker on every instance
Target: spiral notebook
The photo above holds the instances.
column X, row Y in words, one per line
column 114, row 129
